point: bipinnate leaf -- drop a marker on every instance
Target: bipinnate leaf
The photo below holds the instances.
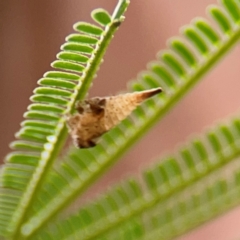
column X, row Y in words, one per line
column 177, row 70
column 44, row 132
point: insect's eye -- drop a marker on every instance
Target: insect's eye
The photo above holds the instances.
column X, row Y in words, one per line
column 102, row 102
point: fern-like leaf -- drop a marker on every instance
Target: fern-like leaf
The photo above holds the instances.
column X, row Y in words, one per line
column 43, row 133
column 178, row 70
column 163, row 208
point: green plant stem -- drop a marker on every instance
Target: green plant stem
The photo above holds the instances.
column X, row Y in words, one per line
column 120, row 9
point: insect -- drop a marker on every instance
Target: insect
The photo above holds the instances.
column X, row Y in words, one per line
column 98, row 115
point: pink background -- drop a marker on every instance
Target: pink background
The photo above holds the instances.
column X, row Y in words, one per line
column 31, row 33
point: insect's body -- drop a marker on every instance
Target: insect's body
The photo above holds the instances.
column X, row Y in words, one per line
column 98, row 115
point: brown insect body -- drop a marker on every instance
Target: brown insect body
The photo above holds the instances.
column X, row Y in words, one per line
column 98, row 115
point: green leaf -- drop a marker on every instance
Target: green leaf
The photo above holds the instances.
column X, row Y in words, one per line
column 57, row 83
column 49, row 99
column 232, row 9
column 68, row 66
column 52, row 91
column 26, row 145
column 193, row 36
column 30, row 195
column 88, row 28
column 221, row 19
column 44, row 132
column 208, row 31
column 81, row 38
column 62, row 75
column 69, row 56
column 101, row 16
column 184, row 52
column 45, row 107
column 164, row 204
column 77, row 47
column 89, row 164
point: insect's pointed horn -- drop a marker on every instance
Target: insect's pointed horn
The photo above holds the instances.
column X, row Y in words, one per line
column 147, row 94
column 120, row 106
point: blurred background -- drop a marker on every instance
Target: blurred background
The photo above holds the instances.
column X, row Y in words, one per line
column 31, row 33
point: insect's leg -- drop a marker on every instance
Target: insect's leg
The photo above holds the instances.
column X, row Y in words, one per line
column 91, row 143
column 80, row 107
column 84, row 144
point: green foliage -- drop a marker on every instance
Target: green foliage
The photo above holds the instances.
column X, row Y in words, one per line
column 44, row 132
column 163, row 201
column 174, row 195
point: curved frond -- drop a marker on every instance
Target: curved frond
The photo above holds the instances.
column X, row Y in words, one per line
column 176, row 70
column 44, row 132
column 164, row 206
column 188, row 212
